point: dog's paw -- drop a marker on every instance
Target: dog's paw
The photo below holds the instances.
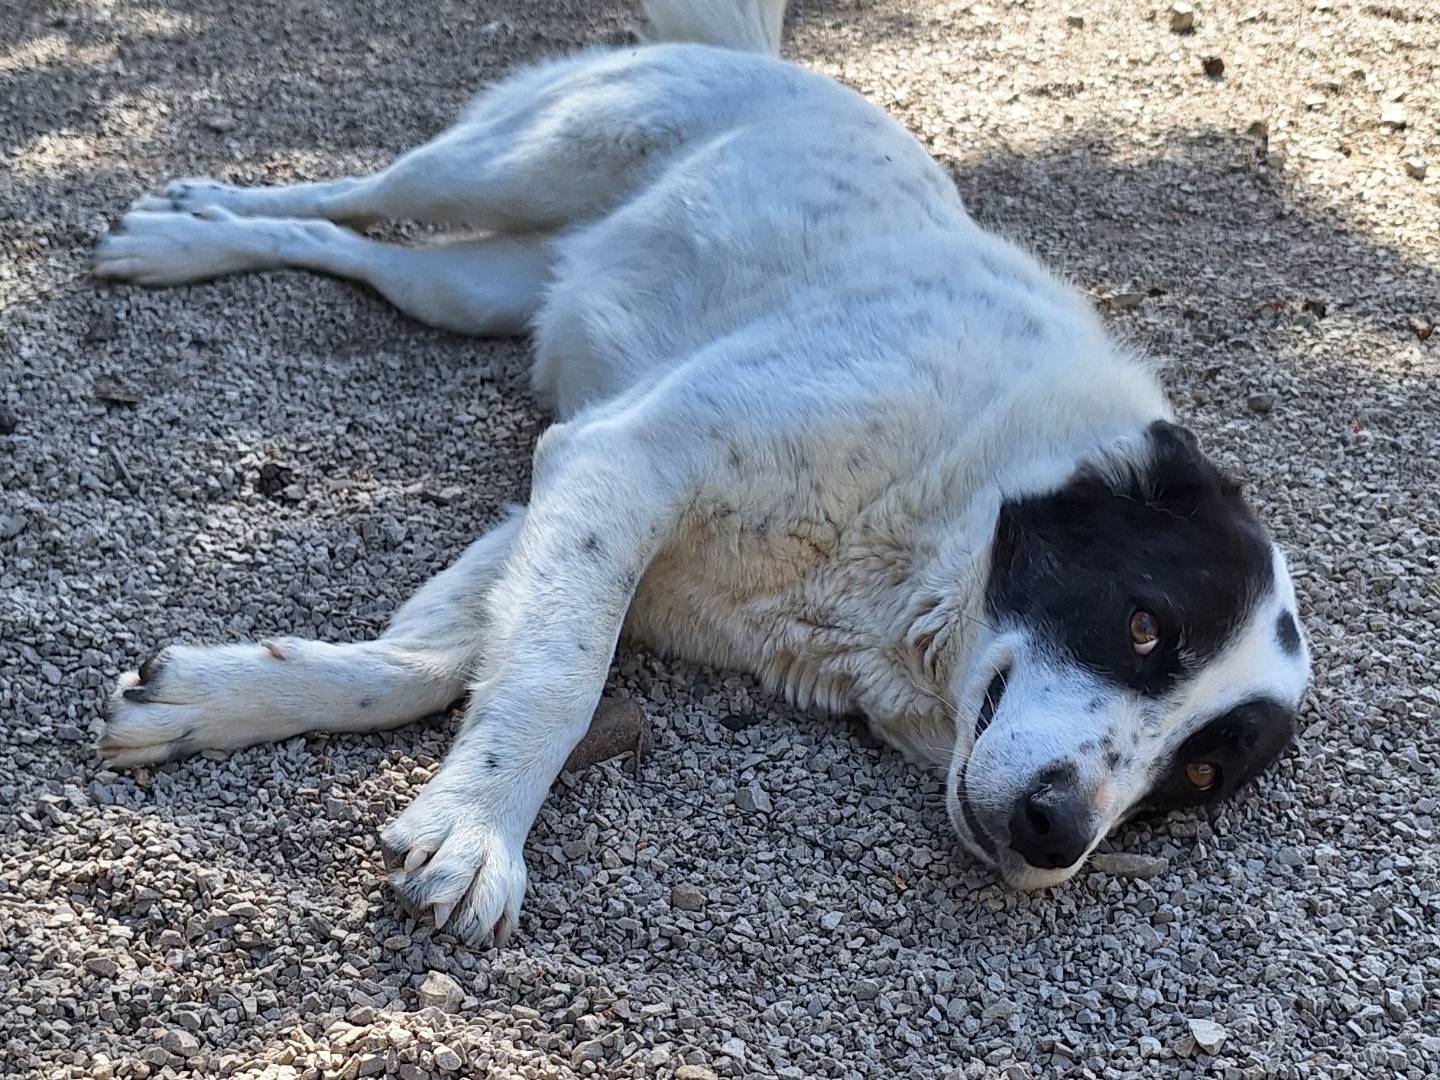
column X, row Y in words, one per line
column 165, row 248
column 146, row 721
column 189, row 698
column 191, row 194
column 453, row 865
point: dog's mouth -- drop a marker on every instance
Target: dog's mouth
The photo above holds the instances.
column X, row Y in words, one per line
column 993, row 693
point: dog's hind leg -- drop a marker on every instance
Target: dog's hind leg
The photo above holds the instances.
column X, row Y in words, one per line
column 192, row 698
column 553, row 146
column 481, row 287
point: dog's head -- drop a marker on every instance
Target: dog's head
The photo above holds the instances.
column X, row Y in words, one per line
column 1144, row 654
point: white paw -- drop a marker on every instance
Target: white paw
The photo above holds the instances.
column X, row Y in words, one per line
column 191, row 194
column 450, row 861
column 185, row 699
column 166, row 248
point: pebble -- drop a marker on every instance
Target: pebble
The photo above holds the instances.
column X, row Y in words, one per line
column 1129, row 864
column 686, row 897
column 180, row 1042
column 221, row 123
column 1182, row 17
column 1208, row 1035
column 1261, row 402
column 589, row 1050
column 445, row 1059
column 1394, row 115
column 440, row 991
column 1416, row 168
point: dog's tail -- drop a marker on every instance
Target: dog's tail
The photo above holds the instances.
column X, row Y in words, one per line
column 751, row 25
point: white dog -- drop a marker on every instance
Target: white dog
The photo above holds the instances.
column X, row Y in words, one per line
column 813, row 423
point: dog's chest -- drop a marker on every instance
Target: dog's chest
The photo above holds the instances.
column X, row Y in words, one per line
column 804, row 584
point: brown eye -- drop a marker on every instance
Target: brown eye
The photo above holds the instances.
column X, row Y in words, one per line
column 1202, row 775
column 1144, row 632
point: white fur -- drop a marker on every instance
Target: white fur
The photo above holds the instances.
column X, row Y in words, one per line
column 793, row 382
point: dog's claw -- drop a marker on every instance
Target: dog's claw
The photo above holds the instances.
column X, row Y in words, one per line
column 416, row 858
column 441, row 915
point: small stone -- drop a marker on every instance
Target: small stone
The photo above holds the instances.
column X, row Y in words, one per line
column 9, row 420
column 445, row 1059
column 831, row 920
column 1416, row 168
column 589, row 1050
column 440, row 991
column 1125, row 864
column 866, row 990
column 1182, row 18
column 1127, row 301
column 221, row 123
column 1394, row 116
column 686, row 897
column 12, row 525
column 1213, row 66
column 371, row 1065
column 1075, row 21
column 113, row 391
column 1149, row 1047
column 753, row 798
column 695, row 1072
column 443, row 496
column 102, row 966
column 180, row 1042
column 1262, row 402
column 1208, row 1035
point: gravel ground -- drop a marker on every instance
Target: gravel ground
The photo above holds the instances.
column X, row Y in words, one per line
column 283, row 453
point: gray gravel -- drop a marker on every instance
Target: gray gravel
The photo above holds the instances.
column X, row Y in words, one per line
column 770, row 896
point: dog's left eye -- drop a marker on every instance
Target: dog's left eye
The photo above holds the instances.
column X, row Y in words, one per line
column 1202, row 775
column 1144, row 632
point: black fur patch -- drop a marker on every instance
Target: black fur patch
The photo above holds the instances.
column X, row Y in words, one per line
column 1288, row 633
column 1240, row 745
column 1174, row 538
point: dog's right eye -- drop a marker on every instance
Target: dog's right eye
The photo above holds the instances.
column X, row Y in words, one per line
column 1144, row 632
column 1202, row 775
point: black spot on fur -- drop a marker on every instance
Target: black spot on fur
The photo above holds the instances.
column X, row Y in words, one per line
column 1112, row 760
column 366, row 702
column 592, row 546
column 1074, row 565
column 491, row 761
column 1288, row 633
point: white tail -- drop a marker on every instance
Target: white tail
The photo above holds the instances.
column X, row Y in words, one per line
column 751, row 25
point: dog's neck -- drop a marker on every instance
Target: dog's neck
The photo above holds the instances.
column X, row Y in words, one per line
column 941, row 619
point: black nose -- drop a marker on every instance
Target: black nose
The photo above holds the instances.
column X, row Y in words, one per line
column 1051, row 825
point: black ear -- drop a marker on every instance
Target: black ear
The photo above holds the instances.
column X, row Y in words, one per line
column 1179, row 475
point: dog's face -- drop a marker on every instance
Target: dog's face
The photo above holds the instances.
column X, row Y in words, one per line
column 1145, row 655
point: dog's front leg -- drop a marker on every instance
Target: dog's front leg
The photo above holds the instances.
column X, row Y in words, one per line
column 603, row 504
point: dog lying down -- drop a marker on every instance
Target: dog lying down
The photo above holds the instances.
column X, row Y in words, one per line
column 812, row 422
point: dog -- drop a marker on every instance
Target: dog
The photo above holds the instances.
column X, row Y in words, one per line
column 812, row 422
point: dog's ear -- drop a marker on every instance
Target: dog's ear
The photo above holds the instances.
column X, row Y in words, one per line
column 1178, row 474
